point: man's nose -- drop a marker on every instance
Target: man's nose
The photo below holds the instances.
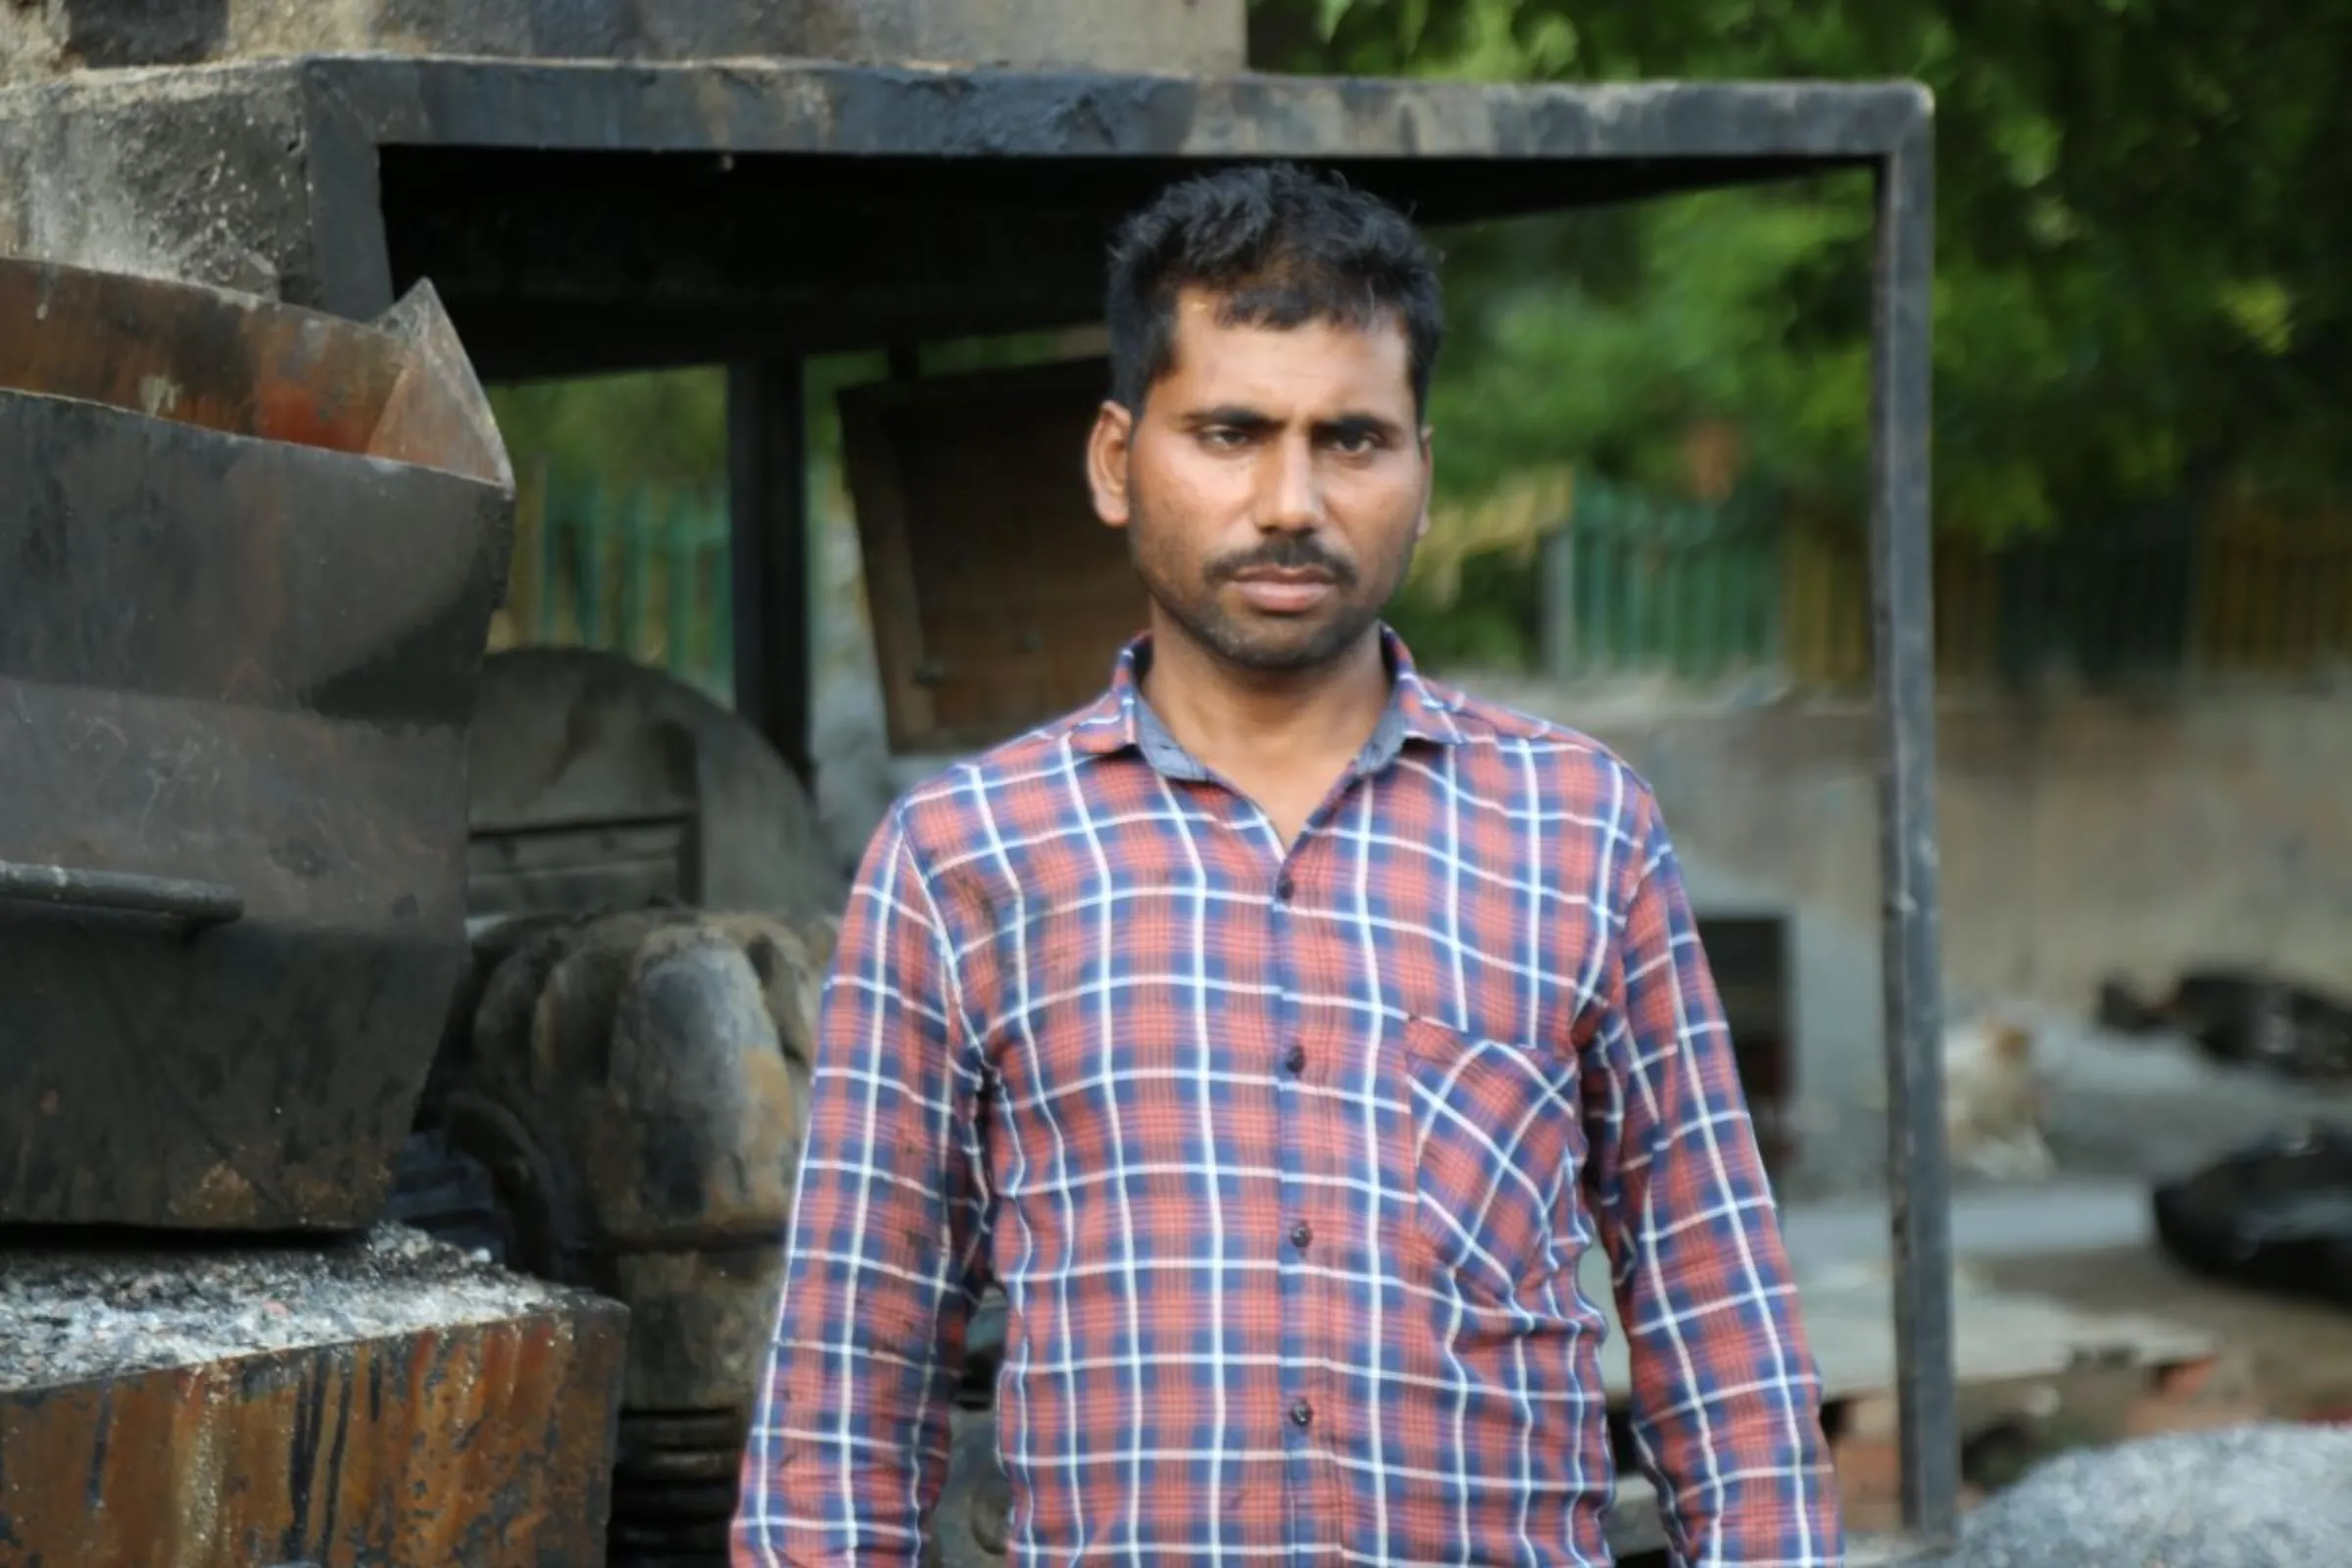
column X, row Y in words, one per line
column 1290, row 489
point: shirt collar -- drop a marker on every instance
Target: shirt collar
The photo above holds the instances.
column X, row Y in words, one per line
column 1120, row 719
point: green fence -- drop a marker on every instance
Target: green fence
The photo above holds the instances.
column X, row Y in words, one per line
column 1633, row 584
column 641, row 571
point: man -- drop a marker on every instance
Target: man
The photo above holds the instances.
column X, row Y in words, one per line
column 1279, row 1030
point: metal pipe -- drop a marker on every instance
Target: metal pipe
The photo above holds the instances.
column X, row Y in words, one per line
column 191, row 904
column 1902, row 616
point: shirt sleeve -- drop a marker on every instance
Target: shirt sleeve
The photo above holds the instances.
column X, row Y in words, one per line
column 1726, row 1396
column 848, row 1448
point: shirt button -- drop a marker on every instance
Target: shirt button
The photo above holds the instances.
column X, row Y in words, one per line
column 1301, row 1234
column 1284, row 888
column 1302, row 1414
column 1293, row 1060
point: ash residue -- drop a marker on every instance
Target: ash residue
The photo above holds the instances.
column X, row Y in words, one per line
column 2254, row 1497
column 72, row 1314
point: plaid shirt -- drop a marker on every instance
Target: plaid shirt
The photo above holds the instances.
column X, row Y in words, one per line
column 1284, row 1157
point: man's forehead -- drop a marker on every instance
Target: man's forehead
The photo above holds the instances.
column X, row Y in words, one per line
column 1209, row 311
column 1366, row 359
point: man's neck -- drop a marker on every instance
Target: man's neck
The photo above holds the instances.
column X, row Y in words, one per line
column 1235, row 719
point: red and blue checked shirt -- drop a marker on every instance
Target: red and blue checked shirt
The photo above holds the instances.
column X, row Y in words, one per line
column 1284, row 1157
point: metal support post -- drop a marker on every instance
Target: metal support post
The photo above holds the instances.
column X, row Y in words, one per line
column 768, row 482
column 1902, row 614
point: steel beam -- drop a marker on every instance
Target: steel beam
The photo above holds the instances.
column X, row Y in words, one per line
column 1902, row 603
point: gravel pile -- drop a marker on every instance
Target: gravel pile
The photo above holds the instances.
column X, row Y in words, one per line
column 67, row 1314
column 2254, row 1497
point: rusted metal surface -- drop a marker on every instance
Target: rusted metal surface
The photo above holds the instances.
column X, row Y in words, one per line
column 636, row 1084
column 409, row 1409
column 400, row 389
column 212, row 361
column 250, row 556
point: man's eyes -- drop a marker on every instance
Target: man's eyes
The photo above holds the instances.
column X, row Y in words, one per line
column 1349, row 442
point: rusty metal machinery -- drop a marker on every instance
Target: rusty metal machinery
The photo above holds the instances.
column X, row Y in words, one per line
column 619, row 1098
column 252, row 551
column 635, row 1086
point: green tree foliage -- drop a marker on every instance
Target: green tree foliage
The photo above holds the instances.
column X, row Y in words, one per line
column 2142, row 214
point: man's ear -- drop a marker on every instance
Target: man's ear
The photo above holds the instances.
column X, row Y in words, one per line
column 1107, row 453
column 1429, row 475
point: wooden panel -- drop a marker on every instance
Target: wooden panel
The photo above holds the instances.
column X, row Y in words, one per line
column 999, row 600
column 2276, row 591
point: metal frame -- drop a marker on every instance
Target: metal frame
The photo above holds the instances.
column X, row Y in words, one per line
column 1455, row 150
column 1902, row 611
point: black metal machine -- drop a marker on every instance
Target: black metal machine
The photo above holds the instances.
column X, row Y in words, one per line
column 251, row 553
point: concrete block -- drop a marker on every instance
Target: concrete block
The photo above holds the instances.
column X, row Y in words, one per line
column 1168, row 36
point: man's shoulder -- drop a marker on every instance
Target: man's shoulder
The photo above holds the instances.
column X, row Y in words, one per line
column 953, row 808
column 1561, row 755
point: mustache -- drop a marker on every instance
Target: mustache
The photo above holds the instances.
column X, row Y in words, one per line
column 1295, row 552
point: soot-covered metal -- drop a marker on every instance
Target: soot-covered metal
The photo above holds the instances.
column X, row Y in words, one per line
column 580, row 217
column 251, row 557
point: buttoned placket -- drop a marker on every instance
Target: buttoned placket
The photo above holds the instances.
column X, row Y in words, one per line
column 1312, row 1506
column 1292, row 1065
column 1301, row 1317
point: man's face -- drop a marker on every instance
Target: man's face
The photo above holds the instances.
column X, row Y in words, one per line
column 1273, row 487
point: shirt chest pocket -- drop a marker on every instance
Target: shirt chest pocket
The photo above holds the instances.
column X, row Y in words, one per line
column 1497, row 1140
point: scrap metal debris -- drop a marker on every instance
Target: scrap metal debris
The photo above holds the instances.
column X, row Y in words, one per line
column 2240, row 1018
column 2275, row 1214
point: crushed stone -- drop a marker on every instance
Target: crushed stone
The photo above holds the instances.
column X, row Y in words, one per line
column 70, row 1314
column 2261, row 1495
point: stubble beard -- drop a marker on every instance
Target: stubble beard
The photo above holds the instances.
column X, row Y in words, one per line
column 1278, row 647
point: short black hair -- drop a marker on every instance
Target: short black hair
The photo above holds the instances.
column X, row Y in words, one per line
column 1280, row 247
